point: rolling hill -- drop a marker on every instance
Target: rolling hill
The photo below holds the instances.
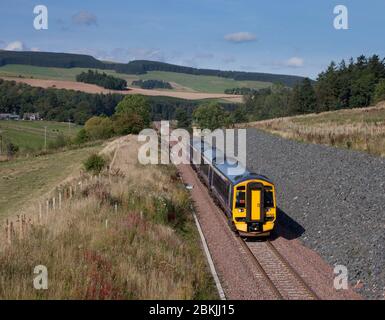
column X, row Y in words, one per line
column 137, row 67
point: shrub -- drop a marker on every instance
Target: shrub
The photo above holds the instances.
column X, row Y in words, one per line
column 95, row 163
column 210, row 116
column 135, row 104
column 81, row 136
column 99, row 128
column 12, row 149
column 59, row 142
column 128, row 123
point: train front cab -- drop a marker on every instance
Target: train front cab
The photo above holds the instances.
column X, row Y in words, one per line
column 254, row 207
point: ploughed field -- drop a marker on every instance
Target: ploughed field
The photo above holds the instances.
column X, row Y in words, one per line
column 337, row 196
column 179, row 81
column 91, row 88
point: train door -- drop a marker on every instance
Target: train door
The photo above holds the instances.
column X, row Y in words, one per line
column 255, row 202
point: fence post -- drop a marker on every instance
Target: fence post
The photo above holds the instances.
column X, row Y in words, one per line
column 60, row 200
column 20, row 227
column 24, row 224
column 47, row 207
column 53, row 203
column 40, row 211
column 8, row 231
column 70, row 192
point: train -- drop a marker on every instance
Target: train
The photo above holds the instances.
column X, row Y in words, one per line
column 248, row 199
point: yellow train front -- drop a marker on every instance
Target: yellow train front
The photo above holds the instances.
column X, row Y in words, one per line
column 248, row 199
column 253, row 206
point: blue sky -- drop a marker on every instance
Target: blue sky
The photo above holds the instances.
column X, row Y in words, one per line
column 277, row 36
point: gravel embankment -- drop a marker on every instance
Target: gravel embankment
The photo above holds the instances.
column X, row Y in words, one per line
column 337, row 196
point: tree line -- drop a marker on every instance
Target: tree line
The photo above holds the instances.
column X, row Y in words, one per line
column 152, row 84
column 102, row 80
column 64, row 105
column 131, row 115
column 240, row 91
column 358, row 83
column 144, row 66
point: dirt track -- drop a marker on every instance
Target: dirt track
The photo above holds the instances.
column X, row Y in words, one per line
column 90, row 88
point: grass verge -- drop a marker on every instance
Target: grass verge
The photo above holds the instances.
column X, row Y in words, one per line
column 127, row 235
column 24, row 179
column 360, row 129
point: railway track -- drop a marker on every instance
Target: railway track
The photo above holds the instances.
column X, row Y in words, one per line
column 284, row 281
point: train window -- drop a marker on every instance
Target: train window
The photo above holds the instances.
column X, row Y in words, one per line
column 221, row 186
column 205, row 169
column 240, row 199
column 268, row 199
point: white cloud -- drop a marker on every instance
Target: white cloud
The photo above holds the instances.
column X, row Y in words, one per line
column 295, row 62
column 15, row 46
column 85, row 18
column 240, row 37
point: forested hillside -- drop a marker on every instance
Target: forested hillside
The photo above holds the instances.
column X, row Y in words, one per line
column 63, row 105
column 358, row 83
column 142, row 66
column 49, row 59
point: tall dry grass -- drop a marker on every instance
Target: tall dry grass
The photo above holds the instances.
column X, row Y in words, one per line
column 359, row 129
column 127, row 235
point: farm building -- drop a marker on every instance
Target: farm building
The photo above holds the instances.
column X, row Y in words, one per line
column 31, row 116
column 9, row 116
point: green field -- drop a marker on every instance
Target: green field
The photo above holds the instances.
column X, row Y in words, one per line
column 30, row 135
column 210, row 84
column 16, row 70
column 187, row 82
column 24, row 179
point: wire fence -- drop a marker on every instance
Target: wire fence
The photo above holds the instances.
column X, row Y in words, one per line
column 21, row 224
